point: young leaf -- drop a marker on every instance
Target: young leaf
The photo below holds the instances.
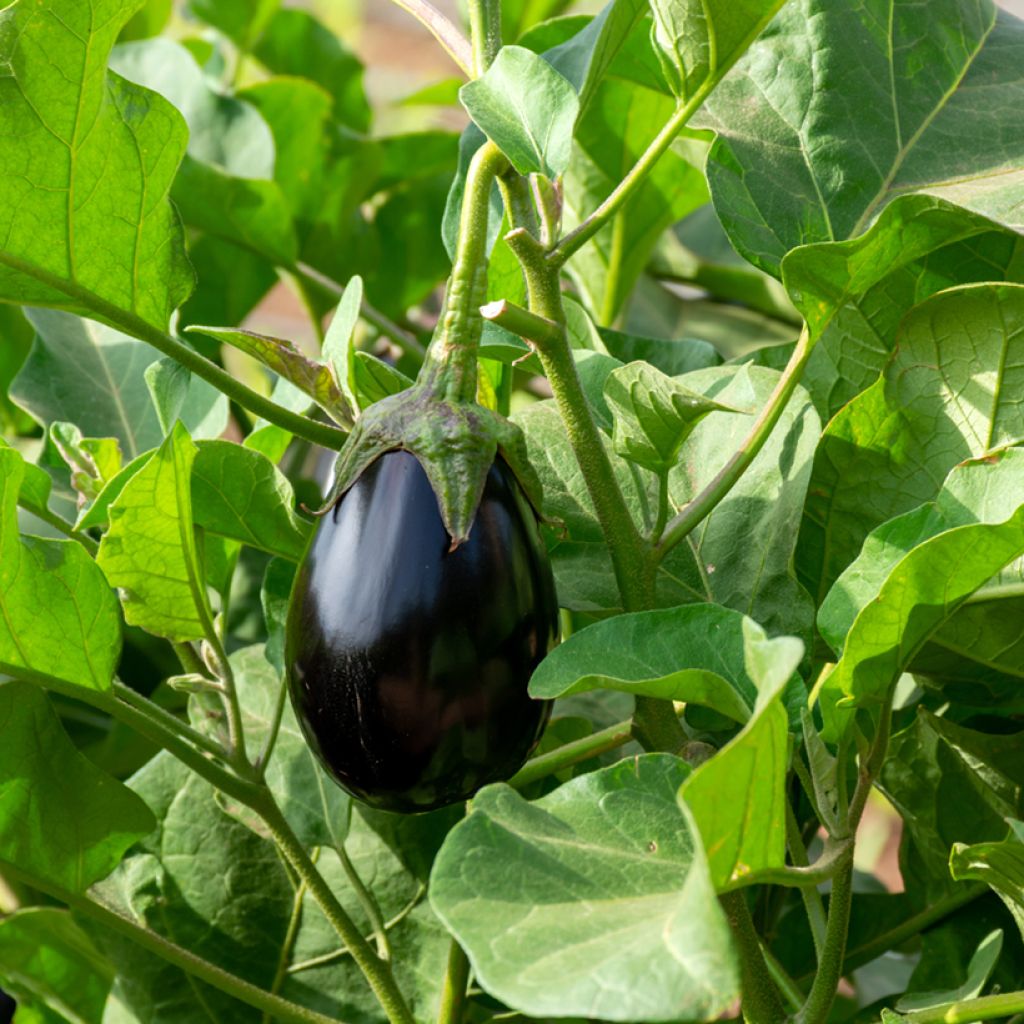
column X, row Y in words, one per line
column 58, row 617
column 177, row 395
column 1000, row 865
column 738, row 797
column 85, row 219
column 914, row 572
column 45, row 956
column 698, row 41
column 523, row 105
column 699, row 653
column 284, row 357
column 891, row 129
column 238, row 493
column 337, row 351
column 69, row 835
column 149, row 552
column 93, row 461
column 654, row 415
column 609, row 880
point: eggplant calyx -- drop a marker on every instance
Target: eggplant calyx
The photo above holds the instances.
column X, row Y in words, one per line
column 455, row 442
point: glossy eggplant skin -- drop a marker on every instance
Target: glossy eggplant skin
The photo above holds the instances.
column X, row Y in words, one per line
column 408, row 663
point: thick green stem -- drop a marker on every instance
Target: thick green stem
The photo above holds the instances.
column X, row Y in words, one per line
column 761, row 1002
column 377, row 971
column 484, row 32
column 830, row 964
column 61, row 526
column 723, row 482
column 450, row 367
column 1002, row 1004
column 813, row 905
column 453, row 994
column 279, row 1009
column 568, row 754
column 366, row 901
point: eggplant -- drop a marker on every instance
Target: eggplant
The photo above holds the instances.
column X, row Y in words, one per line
column 408, row 658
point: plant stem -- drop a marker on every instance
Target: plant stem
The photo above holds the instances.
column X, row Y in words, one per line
column 61, row 526
column 582, row 234
column 655, row 722
column 705, row 502
column 279, row 1009
column 786, row 985
column 484, row 32
column 761, row 1002
column 453, row 995
column 830, row 964
column 172, row 723
column 452, row 41
column 451, row 366
column 527, row 325
column 377, row 971
column 366, row 901
column 568, row 754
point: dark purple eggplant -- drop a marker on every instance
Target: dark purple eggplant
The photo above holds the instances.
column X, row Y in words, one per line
column 408, row 662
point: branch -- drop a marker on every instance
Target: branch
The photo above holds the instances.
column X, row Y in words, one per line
column 1003, row 1004
column 704, row 503
column 572, row 753
column 452, row 41
column 530, row 327
column 453, row 994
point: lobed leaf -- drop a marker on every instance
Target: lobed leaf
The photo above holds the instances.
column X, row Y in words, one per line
column 561, row 902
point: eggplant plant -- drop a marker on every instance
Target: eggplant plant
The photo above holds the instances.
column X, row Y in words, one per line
column 625, row 543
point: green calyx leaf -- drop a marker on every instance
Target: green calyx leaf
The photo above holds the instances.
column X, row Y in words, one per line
column 455, row 442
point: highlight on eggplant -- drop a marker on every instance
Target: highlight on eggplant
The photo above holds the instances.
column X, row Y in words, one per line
column 408, row 663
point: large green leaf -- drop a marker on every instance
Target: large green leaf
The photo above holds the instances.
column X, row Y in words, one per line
column 951, row 392
column 86, row 166
column 699, row 653
column 82, row 372
column 915, row 571
column 240, row 494
column 149, row 552
column 58, row 617
column 738, row 796
column 45, row 956
column 1000, row 865
column 71, row 835
column 561, row 904
column 910, row 99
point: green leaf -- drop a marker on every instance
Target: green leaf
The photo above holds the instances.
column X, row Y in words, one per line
column 654, row 414
column 698, row 41
column 34, row 490
column 178, row 396
column 517, row 16
column 699, row 653
column 240, row 20
column 950, row 393
column 854, row 294
column 93, row 376
column 83, row 192
column 295, row 43
column 240, row 494
column 338, row 350
column 738, row 796
column 69, row 835
column 309, row 375
column 223, row 185
column 560, row 903
column 673, row 357
column 1000, row 865
column 149, row 551
column 523, row 105
column 45, row 956
column 375, row 379
column 914, row 572
column 15, row 342
column 92, row 461
column 950, row 785
column 897, row 89
column 978, row 971
column 59, row 618
column 586, row 56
